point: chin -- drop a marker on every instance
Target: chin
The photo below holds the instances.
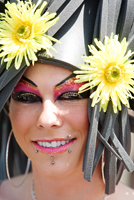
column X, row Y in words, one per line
column 64, row 165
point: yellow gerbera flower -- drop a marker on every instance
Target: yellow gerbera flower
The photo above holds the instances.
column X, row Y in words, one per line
column 109, row 71
column 22, row 32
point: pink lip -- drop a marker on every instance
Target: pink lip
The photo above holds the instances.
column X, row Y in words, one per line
column 50, row 150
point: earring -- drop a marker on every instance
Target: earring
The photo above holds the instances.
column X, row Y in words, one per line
column 7, row 168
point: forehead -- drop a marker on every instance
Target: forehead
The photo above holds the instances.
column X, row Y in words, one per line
column 48, row 74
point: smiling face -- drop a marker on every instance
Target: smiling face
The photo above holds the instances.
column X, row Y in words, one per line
column 49, row 115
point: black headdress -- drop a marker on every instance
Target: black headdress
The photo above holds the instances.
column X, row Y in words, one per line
column 80, row 22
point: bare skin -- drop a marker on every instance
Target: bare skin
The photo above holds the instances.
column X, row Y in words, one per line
column 8, row 192
column 53, row 118
column 57, row 188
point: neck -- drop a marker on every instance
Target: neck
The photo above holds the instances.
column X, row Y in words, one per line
column 71, row 187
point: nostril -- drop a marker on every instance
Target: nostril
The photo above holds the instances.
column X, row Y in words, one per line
column 54, row 126
column 40, row 126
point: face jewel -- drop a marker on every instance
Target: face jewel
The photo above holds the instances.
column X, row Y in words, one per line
column 52, row 162
column 109, row 71
column 69, row 151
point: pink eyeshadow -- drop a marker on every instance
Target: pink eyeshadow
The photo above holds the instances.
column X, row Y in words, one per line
column 66, row 88
column 27, row 87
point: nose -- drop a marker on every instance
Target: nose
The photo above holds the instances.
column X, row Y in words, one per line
column 49, row 116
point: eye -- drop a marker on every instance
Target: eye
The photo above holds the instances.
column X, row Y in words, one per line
column 26, row 97
column 69, row 96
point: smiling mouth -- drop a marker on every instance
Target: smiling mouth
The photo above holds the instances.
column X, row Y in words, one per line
column 53, row 144
column 53, row 147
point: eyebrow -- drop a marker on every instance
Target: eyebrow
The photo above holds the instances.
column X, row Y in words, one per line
column 60, row 83
column 28, row 80
column 67, row 78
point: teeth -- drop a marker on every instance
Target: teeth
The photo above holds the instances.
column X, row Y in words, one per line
column 53, row 144
column 63, row 142
column 43, row 144
column 40, row 143
column 47, row 144
column 58, row 143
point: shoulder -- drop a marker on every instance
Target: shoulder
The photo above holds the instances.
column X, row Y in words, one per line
column 122, row 192
column 8, row 192
column 5, row 190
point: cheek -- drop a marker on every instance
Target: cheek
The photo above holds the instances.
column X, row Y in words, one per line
column 78, row 117
column 80, row 120
column 18, row 117
column 80, row 123
column 21, row 119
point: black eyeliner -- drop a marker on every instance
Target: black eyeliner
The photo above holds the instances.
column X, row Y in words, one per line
column 63, row 81
column 25, row 97
column 28, row 80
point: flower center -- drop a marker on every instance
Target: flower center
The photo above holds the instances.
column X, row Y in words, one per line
column 23, row 32
column 112, row 73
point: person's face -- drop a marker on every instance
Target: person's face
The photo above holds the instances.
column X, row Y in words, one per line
column 49, row 115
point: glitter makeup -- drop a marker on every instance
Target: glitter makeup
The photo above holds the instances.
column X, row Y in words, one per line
column 67, row 89
column 27, row 85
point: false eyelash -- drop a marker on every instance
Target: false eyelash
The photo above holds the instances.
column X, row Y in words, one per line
column 26, row 97
column 69, row 96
